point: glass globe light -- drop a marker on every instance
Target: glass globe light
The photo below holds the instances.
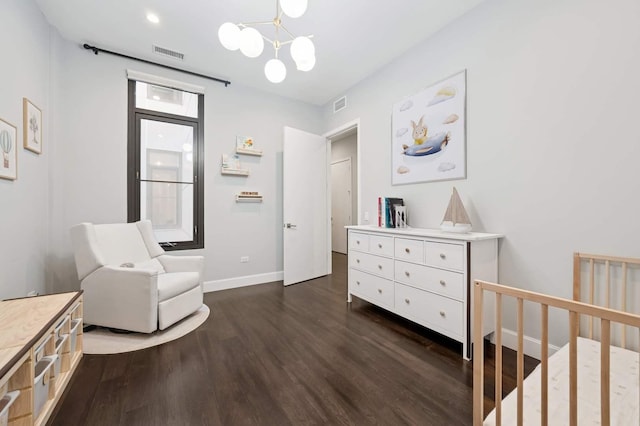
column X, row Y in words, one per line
column 293, row 8
column 275, row 71
column 229, row 35
column 302, row 48
column 306, row 64
column 251, row 42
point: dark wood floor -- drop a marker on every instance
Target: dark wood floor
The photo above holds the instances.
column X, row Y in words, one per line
column 269, row 355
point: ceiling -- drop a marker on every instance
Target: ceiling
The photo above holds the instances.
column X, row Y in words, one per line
column 353, row 38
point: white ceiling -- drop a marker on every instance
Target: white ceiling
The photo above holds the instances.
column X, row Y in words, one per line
column 353, row 38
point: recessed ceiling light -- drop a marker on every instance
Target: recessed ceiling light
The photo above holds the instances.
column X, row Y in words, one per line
column 153, row 18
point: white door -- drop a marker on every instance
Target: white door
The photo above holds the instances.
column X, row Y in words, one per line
column 305, row 210
column 340, row 204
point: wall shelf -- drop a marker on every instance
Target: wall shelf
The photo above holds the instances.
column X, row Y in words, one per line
column 246, row 151
column 234, row 172
column 245, row 199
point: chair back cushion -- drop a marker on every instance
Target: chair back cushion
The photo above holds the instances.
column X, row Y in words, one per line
column 121, row 243
column 115, row 244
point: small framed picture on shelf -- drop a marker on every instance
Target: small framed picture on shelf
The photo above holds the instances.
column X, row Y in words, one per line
column 244, row 142
column 245, row 146
column 32, row 130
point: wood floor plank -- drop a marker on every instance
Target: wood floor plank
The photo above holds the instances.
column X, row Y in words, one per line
column 269, row 355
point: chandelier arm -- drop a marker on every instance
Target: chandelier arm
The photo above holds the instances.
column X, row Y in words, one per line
column 248, row 24
column 288, row 32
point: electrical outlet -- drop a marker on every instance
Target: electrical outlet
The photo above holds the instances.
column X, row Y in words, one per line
column 244, row 259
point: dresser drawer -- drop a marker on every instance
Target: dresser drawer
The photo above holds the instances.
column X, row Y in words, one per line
column 371, row 288
column 378, row 265
column 410, row 250
column 358, row 241
column 446, row 283
column 443, row 255
column 431, row 310
column 381, row 245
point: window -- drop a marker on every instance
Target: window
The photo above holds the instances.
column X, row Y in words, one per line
column 166, row 163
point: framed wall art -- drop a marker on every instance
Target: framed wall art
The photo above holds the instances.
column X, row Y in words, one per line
column 32, row 126
column 8, row 151
column 428, row 133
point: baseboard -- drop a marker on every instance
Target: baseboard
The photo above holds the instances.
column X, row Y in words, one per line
column 532, row 347
column 217, row 285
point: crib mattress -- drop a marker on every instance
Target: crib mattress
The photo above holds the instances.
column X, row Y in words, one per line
column 625, row 384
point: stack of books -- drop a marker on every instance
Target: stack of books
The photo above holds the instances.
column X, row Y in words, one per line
column 387, row 211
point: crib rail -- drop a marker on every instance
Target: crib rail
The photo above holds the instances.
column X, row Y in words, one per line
column 576, row 309
column 619, row 286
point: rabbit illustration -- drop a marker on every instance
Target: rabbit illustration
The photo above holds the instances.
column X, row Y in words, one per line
column 419, row 131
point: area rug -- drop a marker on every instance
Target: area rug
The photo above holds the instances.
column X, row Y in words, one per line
column 103, row 341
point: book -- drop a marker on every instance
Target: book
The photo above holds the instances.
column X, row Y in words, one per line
column 386, row 211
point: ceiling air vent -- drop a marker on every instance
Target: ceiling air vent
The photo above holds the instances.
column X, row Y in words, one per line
column 168, row 53
column 340, row 104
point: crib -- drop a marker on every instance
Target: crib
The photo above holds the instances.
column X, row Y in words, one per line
column 594, row 378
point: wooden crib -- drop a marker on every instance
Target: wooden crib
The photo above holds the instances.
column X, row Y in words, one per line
column 551, row 394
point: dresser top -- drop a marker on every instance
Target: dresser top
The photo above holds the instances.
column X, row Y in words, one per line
column 427, row 233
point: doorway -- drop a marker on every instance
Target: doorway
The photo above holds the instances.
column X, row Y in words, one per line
column 344, row 143
column 344, row 194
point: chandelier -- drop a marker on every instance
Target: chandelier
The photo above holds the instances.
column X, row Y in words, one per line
column 250, row 41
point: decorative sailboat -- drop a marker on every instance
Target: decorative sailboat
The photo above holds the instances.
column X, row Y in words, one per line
column 456, row 218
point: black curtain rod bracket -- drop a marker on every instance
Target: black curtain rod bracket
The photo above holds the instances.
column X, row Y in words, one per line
column 97, row 50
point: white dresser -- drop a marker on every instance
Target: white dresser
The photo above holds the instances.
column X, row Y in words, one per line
column 424, row 275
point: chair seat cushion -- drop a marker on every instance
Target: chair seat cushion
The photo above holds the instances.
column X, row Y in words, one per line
column 172, row 284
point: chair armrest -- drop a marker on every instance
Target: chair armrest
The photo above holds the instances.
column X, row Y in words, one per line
column 182, row 263
column 124, row 298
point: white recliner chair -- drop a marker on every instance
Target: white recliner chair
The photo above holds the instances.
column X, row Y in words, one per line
column 129, row 282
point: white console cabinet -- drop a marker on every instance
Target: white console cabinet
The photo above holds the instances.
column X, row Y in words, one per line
column 424, row 275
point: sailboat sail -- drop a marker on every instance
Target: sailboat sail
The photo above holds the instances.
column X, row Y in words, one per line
column 456, row 214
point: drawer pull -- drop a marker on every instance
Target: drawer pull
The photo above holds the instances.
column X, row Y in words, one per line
column 380, row 290
column 357, row 282
column 407, row 301
column 380, row 267
column 443, row 256
column 357, row 260
column 407, row 250
column 407, row 273
column 443, row 314
column 357, row 241
column 442, row 282
column 379, row 245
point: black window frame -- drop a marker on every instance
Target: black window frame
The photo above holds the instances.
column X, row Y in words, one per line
column 134, row 157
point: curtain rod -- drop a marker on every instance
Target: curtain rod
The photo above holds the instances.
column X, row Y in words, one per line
column 96, row 50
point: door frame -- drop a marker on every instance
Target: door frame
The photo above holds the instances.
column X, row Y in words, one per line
column 333, row 134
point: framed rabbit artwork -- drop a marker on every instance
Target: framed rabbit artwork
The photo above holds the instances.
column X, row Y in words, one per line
column 428, row 133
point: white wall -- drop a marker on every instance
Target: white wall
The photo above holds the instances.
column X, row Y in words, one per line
column 90, row 183
column 348, row 148
column 24, row 72
column 552, row 138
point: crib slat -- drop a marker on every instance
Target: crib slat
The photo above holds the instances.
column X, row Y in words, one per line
column 498, row 378
column 605, row 388
column 624, row 302
column 591, row 286
column 520, row 363
column 544, row 355
column 608, row 274
column 478, row 357
column 573, row 369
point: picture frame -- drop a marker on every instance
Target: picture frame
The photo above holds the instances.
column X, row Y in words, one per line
column 8, row 151
column 428, row 133
column 32, row 126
